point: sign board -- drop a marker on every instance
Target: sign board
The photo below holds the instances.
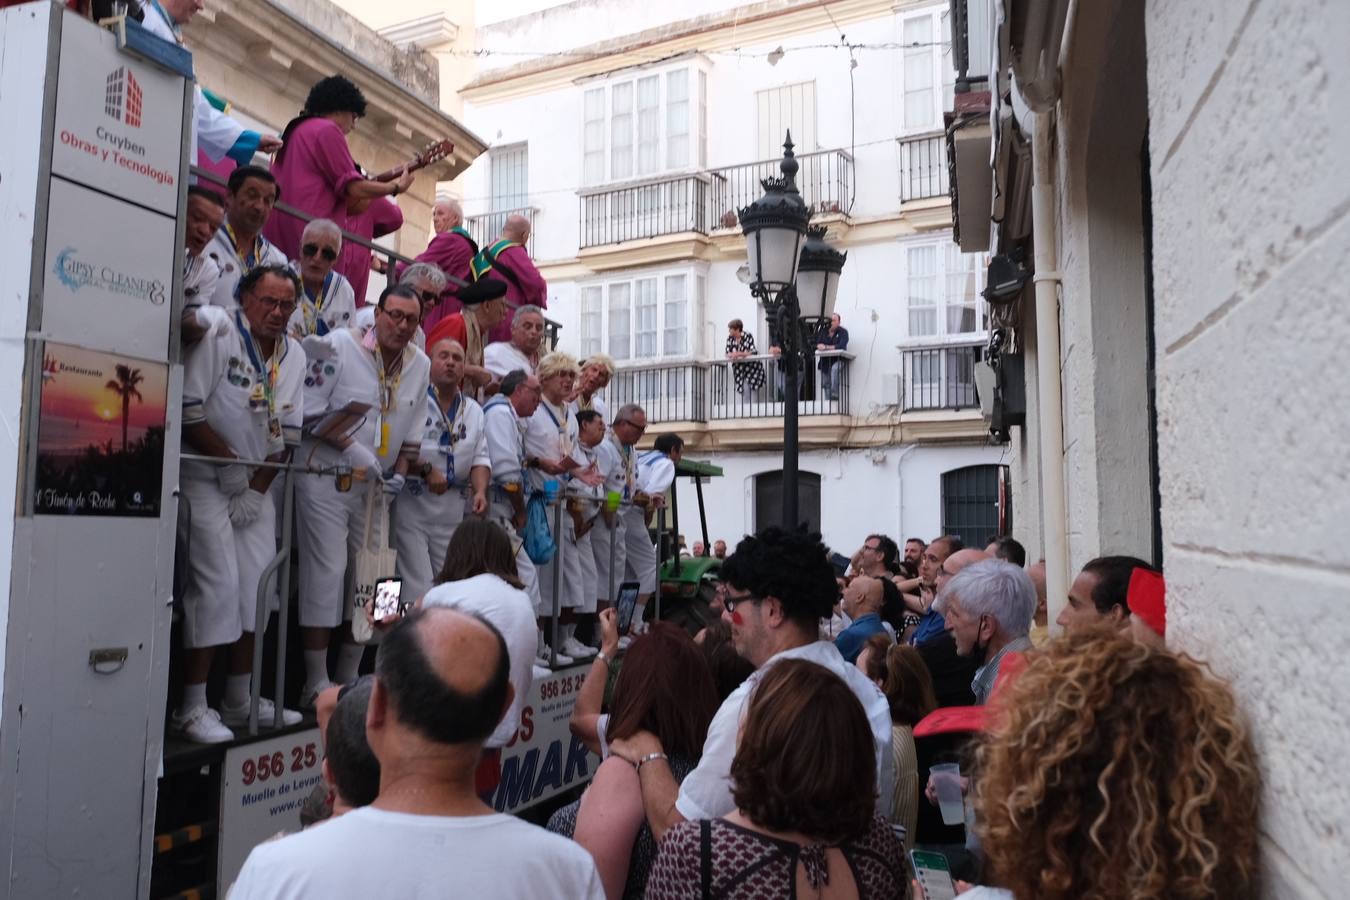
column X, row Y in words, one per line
column 262, row 787
column 100, row 446
column 108, row 273
column 119, row 121
column 545, row 759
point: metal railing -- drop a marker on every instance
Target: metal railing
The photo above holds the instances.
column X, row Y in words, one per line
column 386, row 258
column 669, row 206
column 923, row 167
column 825, row 179
column 753, row 387
column 940, row 377
column 671, row 392
column 486, row 228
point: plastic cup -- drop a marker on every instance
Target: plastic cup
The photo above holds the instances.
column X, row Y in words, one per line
column 612, row 499
column 550, row 490
column 947, row 782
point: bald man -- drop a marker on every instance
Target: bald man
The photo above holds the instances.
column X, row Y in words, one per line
column 952, row 673
column 451, row 250
column 862, row 603
column 509, row 261
column 441, row 685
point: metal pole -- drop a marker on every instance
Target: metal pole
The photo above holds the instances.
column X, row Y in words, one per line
column 557, row 580
column 284, row 592
column 788, row 329
column 660, row 520
column 702, row 515
column 613, row 530
column 675, row 532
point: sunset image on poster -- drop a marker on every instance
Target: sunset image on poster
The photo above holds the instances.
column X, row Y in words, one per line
column 100, row 434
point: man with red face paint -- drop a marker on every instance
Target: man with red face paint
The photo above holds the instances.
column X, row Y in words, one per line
column 779, row 585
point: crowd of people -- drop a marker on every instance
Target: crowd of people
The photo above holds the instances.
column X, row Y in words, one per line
column 798, row 745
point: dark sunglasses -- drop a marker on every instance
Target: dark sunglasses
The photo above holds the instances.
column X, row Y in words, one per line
column 327, row 253
column 429, row 296
column 731, row 602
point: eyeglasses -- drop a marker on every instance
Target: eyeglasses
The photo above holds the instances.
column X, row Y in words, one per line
column 631, row 424
column 328, row 253
column 429, row 296
column 286, row 306
column 398, row 318
column 731, row 602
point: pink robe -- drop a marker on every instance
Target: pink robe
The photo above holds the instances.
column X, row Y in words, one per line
column 451, row 253
column 380, row 218
column 533, row 289
column 313, row 171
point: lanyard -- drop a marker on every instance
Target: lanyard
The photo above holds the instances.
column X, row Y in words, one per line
column 248, row 260
column 388, row 388
column 267, row 373
column 495, row 402
column 449, row 422
column 311, row 308
column 629, row 470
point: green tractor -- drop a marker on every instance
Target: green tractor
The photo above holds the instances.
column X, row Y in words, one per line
column 685, row 586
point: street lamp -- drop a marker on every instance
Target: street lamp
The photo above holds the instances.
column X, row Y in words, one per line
column 796, row 281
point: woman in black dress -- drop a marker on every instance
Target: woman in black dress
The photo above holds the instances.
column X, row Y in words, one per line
column 749, row 376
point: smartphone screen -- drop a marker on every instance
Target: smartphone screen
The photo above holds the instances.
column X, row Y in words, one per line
column 934, row 875
column 628, row 594
column 388, row 599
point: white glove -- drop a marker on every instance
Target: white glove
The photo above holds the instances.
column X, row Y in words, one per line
column 359, row 456
column 393, row 485
column 246, row 506
column 233, row 479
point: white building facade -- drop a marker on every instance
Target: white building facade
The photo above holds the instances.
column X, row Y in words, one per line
column 632, row 156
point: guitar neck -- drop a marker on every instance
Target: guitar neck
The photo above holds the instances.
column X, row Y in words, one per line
column 393, row 173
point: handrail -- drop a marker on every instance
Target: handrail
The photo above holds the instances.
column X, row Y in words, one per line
column 766, row 357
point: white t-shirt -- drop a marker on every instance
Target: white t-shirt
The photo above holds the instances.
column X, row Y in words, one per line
column 505, row 435
column 336, row 307
column 512, row 613
column 655, row 472
column 502, row 358
column 551, row 433
column 222, row 251
column 706, row 792
column 371, row 853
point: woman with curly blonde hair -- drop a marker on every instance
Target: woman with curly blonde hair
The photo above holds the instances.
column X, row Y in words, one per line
column 1117, row 770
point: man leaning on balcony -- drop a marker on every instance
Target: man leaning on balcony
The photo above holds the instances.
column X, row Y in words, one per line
column 509, row 261
column 451, row 250
column 831, row 337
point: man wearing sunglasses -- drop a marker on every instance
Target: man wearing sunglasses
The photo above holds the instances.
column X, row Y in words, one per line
column 238, row 245
column 328, row 301
column 426, row 281
column 382, row 369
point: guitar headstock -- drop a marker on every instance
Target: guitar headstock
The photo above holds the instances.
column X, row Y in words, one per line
column 434, row 152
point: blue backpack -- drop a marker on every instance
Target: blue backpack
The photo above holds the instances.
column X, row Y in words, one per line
column 539, row 543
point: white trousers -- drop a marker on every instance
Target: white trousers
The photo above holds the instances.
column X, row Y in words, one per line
column 590, row 587
column 567, row 561
column 600, row 540
column 329, row 528
column 224, row 565
column 640, row 557
column 499, row 511
column 423, row 525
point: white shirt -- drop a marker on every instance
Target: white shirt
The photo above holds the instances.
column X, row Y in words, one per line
column 619, row 466
column 372, row 853
column 200, row 274
column 655, row 472
column 706, row 792
column 222, row 252
column 454, row 442
column 337, row 307
column 342, row 370
column 597, row 403
column 501, row 358
column 224, row 386
column 551, row 433
column 511, row 612
column 505, row 434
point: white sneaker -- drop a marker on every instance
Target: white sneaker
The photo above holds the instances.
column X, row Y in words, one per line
column 541, row 671
column 562, row 658
column 308, row 694
column 201, row 725
column 625, row 641
column 577, row 650
column 267, row 712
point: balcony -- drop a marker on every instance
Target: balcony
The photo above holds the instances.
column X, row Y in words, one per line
column 923, row 167
column 703, row 201
column 937, row 378
column 709, row 391
column 486, row 228
column 825, row 180
column 671, row 206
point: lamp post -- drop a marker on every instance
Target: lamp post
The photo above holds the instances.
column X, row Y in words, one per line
column 775, row 227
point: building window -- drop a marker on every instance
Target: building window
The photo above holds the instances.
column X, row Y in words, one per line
column 942, row 291
column 975, row 504
column 783, row 109
column 508, row 177
column 928, row 76
column 648, row 317
column 769, row 499
column 642, row 126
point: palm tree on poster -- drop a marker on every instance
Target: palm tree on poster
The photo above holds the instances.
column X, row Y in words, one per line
column 124, row 386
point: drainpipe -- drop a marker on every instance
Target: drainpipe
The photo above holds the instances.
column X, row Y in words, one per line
column 1049, row 387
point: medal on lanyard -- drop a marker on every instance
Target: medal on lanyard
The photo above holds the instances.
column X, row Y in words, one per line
column 262, row 398
column 448, row 437
column 387, row 393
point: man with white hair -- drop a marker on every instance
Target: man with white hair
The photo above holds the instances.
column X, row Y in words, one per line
column 523, row 350
column 988, row 607
column 328, row 301
column 451, row 250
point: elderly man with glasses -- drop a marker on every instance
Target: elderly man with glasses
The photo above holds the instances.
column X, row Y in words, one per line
column 617, row 461
column 327, row 300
